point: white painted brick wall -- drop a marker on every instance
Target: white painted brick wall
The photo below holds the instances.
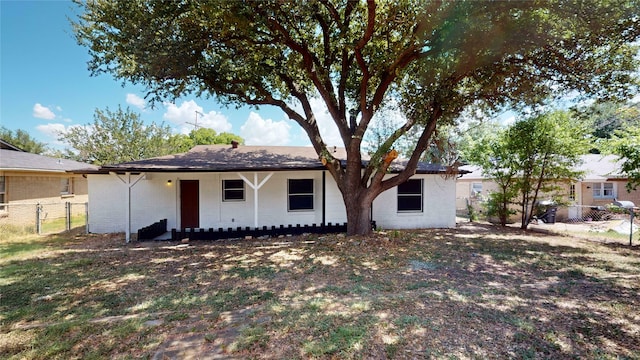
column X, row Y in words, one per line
column 153, row 199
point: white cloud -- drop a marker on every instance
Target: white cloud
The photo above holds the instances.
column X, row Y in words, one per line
column 43, row 112
column 185, row 115
column 258, row 131
column 51, row 132
column 137, row 101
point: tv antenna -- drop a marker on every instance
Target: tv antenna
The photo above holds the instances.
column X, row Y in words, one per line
column 195, row 124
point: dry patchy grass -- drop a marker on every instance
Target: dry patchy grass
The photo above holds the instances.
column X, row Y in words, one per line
column 473, row 292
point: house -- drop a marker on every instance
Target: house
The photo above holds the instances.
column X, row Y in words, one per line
column 230, row 186
column 597, row 188
column 29, row 179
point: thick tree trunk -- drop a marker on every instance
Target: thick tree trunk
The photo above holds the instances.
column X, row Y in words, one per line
column 358, row 201
column 358, row 214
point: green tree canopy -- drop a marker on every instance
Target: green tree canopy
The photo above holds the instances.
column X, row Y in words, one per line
column 608, row 118
column 434, row 58
column 626, row 144
column 202, row 136
column 533, row 156
column 23, row 140
column 115, row 137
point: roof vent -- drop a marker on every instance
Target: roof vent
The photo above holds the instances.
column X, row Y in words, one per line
column 234, row 144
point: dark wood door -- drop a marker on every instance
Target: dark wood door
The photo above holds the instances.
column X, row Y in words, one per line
column 189, row 204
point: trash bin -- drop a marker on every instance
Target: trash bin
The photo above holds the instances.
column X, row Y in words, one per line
column 550, row 215
column 547, row 211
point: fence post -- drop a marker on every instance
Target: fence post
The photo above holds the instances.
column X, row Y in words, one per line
column 39, row 219
column 67, row 208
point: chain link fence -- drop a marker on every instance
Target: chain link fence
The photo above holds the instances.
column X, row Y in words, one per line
column 43, row 218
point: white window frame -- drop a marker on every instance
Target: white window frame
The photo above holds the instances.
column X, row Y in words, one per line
column 66, row 186
column 3, row 194
column 600, row 190
column 572, row 192
column 476, row 189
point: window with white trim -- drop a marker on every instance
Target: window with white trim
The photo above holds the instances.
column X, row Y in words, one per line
column 476, row 189
column 603, row 190
column 232, row 190
column 3, row 192
column 410, row 196
column 572, row 192
column 66, row 186
column 300, row 194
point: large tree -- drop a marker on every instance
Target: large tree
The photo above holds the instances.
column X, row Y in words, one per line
column 434, row 58
column 114, row 137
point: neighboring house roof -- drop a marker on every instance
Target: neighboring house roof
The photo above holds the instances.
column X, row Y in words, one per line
column 24, row 161
column 473, row 172
column 595, row 168
column 7, row 146
column 225, row 158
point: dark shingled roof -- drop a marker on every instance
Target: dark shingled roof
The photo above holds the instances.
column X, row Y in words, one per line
column 24, row 161
column 7, row 146
column 225, row 158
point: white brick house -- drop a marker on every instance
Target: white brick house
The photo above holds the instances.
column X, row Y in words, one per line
column 222, row 186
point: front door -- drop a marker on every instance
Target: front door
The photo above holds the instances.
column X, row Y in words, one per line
column 189, row 204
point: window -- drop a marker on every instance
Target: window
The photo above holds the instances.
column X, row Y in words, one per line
column 572, row 192
column 232, row 190
column 603, row 190
column 300, row 194
column 476, row 189
column 66, row 186
column 410, row 196
column 2, row 193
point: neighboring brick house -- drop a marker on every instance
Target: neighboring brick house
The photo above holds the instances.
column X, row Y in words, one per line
column 600, row 184
column 28, row 179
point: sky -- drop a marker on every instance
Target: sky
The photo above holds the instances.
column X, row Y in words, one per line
column 45, row 87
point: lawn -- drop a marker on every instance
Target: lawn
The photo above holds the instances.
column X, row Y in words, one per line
column 473, row 292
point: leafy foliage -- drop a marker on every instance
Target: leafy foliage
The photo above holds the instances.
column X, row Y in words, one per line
column 531, row 157
column 608, row 118
column 115, row 137
column 23, row 140
column 121, row 136
column 202, row 136
column 433, row 58
column 626, row 144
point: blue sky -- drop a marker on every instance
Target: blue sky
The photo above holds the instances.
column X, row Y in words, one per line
column 46, row 87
